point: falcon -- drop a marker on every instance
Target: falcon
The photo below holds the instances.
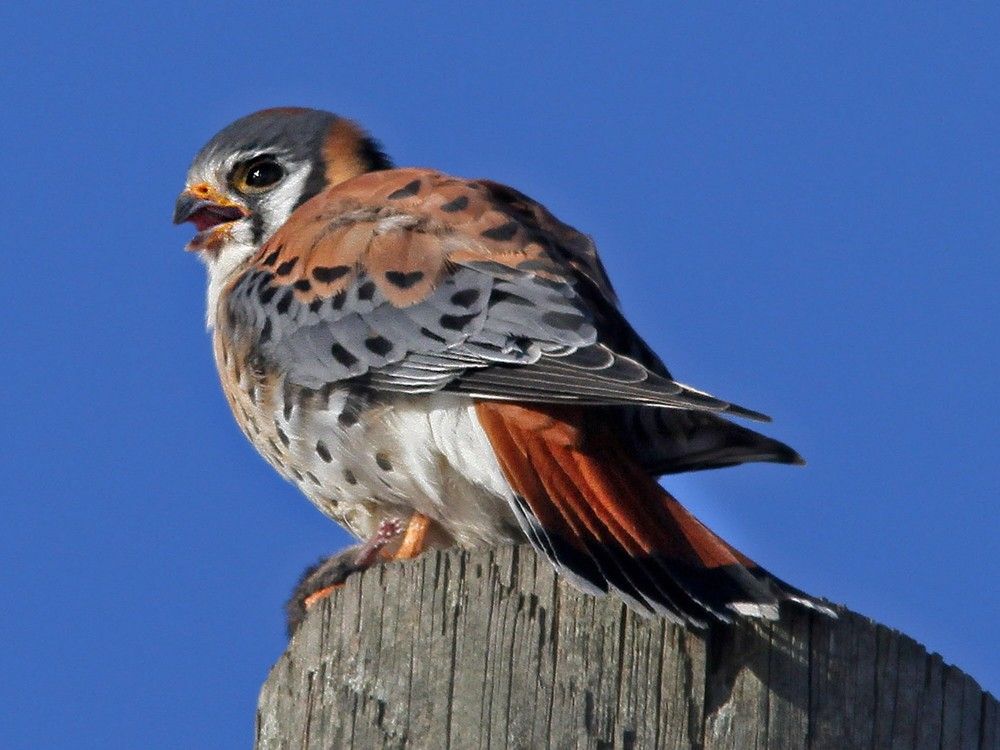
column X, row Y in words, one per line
column 438, row 361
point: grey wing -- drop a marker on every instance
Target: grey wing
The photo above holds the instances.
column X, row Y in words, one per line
column 486, row 329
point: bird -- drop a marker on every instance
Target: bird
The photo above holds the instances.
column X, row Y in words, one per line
column 437, row 361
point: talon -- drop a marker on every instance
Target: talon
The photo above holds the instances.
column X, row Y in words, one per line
column 319, row 595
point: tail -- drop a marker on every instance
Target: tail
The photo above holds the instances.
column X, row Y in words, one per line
column 603, row 521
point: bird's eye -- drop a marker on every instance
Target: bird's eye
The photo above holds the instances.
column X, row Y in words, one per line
column 257, row 175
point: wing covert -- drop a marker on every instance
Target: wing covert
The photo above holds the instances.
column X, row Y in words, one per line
column 416, row 281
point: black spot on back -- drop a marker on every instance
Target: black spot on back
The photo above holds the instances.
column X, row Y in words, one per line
column 286, row 268
column 502, row 233
column 267, row 294
column 302, row 285
column 459, row 204
column 410, row 188
column 328, row 274
column 402, row 279
column 269, row 260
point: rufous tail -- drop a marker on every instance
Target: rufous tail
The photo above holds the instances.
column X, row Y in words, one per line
column 607, row 524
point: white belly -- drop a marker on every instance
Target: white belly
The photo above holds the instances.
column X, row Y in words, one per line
column 361, row 463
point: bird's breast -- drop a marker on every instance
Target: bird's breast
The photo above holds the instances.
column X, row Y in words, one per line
column 362, row 456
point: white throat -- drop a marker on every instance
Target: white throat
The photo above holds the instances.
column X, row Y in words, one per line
column 220, row 271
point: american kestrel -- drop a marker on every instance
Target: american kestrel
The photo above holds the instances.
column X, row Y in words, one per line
column 444, row 354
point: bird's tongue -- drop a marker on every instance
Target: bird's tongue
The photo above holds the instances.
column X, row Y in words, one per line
column 210, row 216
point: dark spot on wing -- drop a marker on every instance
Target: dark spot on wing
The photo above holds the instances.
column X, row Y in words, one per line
column 366, row 291
column 378, row 345
column 329, row 274
column 563, row 321
column 459, row 204
column 456, row 322
column 285, row 302
column 431, row 335
column 502, row 233
column 343, row 356
column 286, row 268
column 410, row 188
column 465, row 298
column 402, row 279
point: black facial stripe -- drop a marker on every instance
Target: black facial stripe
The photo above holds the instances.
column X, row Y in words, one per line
column 257, row 227
column 315, row 181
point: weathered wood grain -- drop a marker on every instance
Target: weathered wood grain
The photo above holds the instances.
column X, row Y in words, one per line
column 492, row 650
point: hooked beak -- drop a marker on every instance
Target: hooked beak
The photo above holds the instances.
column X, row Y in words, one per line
column 207, row 209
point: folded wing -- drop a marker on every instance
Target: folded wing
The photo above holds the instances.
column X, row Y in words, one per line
column 415, row 282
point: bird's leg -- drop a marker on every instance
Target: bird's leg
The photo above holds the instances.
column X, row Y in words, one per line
column 369, row 551
column 415, row 538
column 356, row 559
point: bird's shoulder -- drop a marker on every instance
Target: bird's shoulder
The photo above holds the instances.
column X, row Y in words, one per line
column 403, row 229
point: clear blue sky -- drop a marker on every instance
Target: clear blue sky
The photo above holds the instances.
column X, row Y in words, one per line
column 799, row 208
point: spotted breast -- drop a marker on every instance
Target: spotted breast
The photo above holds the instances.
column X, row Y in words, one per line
column 363, row 457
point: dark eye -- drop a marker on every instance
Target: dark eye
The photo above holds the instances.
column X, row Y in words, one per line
column 258, row 175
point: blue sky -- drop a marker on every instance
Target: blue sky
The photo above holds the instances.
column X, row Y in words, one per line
column 798, row 206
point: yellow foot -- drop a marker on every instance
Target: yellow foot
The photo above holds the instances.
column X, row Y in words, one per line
column 415, row 537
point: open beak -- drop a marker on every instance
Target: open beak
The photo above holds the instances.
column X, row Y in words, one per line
column 207, row 209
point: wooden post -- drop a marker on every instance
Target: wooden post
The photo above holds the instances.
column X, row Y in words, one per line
column 492, row 650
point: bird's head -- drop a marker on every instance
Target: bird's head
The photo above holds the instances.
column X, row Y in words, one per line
column 246, row 181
